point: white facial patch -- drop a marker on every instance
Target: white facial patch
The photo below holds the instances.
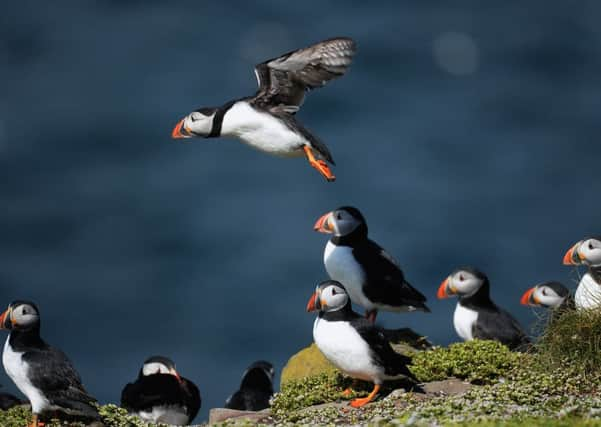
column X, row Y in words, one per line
column 154, row 368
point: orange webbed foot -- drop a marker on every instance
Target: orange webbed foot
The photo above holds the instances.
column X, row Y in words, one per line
column 321, row 166
column 357, row 403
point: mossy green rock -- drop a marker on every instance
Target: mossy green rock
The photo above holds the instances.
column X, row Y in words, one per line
column 307, row 362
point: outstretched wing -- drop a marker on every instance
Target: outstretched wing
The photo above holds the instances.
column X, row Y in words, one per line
column 284, row 80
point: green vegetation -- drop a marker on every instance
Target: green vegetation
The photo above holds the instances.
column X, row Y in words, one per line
column 112, row 416
column 479, row 362
column 574, row 338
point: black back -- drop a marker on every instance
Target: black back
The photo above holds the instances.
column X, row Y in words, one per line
column 255, row 390
column 53, row 373
column 385, row 282
column 158, row 390
column 493, row 322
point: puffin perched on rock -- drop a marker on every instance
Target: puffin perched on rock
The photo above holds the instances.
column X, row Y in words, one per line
column 42, row 373
column 266, row 120
column 372, row 278
column 353, row 344
column 587, row 252
column 476, row 315
column 161, row 395
column 255, row 390
column 548, row 294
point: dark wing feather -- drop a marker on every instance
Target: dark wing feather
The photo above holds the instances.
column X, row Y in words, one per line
column 248, row 400
column 316, row 143
column 500, row 326
column 284, row 80
column 192, row 398
column 385, row 282
column 52, row 372
column 160, row 389
column 394, row 363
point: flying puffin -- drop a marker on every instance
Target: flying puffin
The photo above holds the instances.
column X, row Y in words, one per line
column 372, row 278
column 42, row 373
column 353, row 344
column 255, row 390
column 476, row 315
column 587, row 252
column 266, row 120
column 161, row 395
column 548, row 294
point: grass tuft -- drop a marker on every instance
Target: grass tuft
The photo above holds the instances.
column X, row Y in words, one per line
column 573, row 338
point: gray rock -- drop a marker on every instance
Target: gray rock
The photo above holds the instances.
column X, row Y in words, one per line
column 217, row 415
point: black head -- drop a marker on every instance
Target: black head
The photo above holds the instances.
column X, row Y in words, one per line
column 20, row 315
column 547, row 294
column 259, row 375
column 159, row 365
column 329, row 296
column 342, row 222
column 464, row 282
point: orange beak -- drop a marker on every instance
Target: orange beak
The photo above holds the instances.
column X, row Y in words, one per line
column 527, row 298
column 323, row 224
column 178, row 133
column 311, row 305
column 3, row 317
column 444, row 288
column 568, row 258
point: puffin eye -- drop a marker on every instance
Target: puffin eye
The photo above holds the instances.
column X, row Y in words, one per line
column 461, row 278
column 544, row 291
column 590, row 246
column 334, row 291
column 338, row 215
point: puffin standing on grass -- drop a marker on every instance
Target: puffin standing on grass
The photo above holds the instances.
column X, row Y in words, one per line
column 352, row 343
column 476, row 315
column 161, row 395
column 548, row 294
column 587, row 252
column 255, row 390
column 372, row 278
column 266, row 120
column 43, row 373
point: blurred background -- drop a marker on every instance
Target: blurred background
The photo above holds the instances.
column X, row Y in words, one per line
column 468, row 134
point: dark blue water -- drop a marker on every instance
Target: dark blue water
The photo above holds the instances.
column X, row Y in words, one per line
column 466, row 133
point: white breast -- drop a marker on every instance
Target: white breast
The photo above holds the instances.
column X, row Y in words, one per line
column 588, row 293
column 166, row 414
column 342, row 266
column 17, row 370
column 261, row 131
column 464, row 320
column 342, row 345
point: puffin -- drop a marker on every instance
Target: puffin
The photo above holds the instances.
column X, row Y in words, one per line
column 587, row 252
column 372, row 278
column 353, row 344
column 476, row 315
column 266, row 121
column 549, row 295
column 255, row 389
column 42, row 373
column 161, row 395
